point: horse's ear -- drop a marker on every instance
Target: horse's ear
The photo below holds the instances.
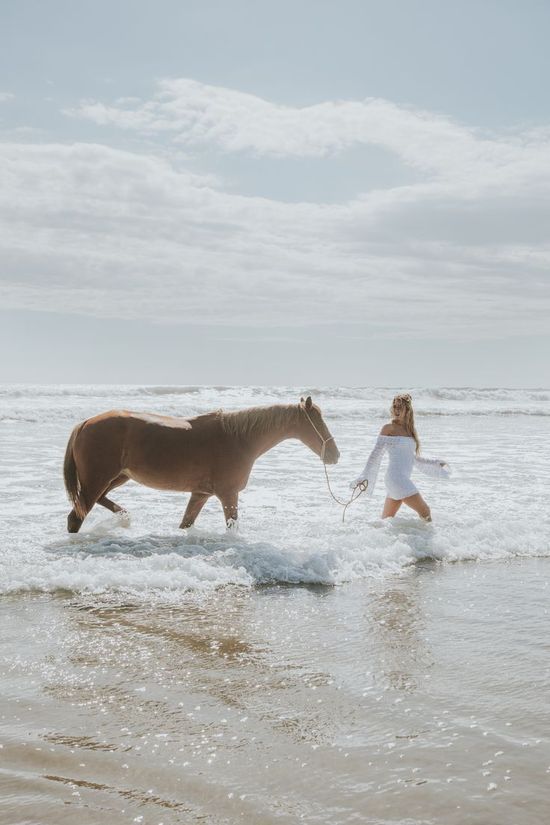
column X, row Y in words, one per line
column 302, row 400
column 309, row 403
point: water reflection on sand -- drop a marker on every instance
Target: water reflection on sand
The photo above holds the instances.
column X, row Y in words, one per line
column 369, row 702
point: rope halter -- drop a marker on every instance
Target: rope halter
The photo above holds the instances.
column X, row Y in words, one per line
column 324, row 441
column 359, row 488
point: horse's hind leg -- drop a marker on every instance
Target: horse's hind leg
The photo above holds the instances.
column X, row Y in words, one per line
column 194, row 506
column 92, row 492
column 74, row 522
column 106, row 502
column 110, row 505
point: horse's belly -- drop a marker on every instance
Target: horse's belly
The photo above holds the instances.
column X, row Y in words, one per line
column 161, row 480
column 168, row 459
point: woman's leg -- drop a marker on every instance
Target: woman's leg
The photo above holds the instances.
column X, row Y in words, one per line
column 391, row 506
column 418, row 504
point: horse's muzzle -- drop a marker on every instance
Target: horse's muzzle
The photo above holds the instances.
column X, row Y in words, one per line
column 332, row 457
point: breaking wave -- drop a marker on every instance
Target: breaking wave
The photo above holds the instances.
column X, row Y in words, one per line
column 105, row 560
column 291, row 532
column 34, row 403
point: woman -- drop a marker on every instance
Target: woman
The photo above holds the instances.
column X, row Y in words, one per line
column 401, row 441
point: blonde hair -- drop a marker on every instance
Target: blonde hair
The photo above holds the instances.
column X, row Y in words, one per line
column 403, row 401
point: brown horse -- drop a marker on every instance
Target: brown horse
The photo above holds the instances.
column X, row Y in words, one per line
column 209, row 455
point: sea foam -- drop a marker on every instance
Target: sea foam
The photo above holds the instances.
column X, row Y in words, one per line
column 290, row 532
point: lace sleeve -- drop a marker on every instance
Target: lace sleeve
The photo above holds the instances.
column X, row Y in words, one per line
column 433, row 467
column 370, row 470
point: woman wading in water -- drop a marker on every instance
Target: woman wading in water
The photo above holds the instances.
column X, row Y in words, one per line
column 401, row 441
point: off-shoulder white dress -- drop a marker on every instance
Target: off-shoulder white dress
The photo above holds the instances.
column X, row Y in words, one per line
column 402, row 460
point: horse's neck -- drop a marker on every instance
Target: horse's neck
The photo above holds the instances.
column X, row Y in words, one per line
column 263, row 442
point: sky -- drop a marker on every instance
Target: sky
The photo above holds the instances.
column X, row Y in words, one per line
column 317, row 193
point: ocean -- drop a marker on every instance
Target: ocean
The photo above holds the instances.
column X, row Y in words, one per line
column 302, row 669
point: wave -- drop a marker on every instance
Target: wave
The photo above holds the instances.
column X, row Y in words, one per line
column 105, row 561
column 39, row 403
column 70, row 415
column 493, row 396
column 99, row 390
column 440, row 393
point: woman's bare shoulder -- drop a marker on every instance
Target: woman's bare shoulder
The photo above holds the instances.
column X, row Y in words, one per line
column 392, row 429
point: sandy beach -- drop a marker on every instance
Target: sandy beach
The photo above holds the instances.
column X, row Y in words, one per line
column 422, row 699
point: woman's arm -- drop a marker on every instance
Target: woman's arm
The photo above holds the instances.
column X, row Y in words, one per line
column 369, row 473
column 433, row 467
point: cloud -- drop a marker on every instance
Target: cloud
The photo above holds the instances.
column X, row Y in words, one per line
column 462, row 252
column 99, row 231
column 6, row 96
column 196, row 114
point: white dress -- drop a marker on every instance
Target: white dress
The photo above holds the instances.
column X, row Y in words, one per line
column 401, row 451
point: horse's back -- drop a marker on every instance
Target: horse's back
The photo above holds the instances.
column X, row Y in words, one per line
column 157, row 450
column 127, row 416
column 127, row 431
column 128, row 420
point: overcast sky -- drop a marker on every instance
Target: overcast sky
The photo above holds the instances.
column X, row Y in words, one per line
column 313, row 192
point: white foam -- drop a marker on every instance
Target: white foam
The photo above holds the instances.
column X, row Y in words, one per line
column 28, row 403
column 150, row 566
column 291, row 532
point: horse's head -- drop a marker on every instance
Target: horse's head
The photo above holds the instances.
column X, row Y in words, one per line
column 315, row 434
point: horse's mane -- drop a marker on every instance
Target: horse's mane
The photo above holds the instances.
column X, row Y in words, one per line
column 258, row 420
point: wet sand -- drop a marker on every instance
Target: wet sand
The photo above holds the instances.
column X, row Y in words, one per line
column 420, row 698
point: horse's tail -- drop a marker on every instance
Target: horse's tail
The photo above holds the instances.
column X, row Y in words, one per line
column 70, row 475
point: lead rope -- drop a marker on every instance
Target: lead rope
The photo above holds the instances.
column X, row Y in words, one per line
column 359, row 488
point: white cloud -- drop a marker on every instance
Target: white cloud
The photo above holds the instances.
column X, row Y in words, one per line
column 94, row 230
column 6, row 96
column 196, row 114
column 463, row 251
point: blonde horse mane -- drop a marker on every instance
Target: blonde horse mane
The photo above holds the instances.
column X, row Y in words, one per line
column 258, row 420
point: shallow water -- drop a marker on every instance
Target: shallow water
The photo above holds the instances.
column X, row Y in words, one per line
column 420, row 698
column 304, row 669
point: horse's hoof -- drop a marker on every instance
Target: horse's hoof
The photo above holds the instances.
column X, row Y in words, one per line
column 73, row 523
column 123, row 518
column 232, row 525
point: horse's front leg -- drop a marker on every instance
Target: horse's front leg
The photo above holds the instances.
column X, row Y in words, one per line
column 230, row 504
column 194, row 506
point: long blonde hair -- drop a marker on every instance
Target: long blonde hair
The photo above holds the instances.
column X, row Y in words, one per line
column 403, row 402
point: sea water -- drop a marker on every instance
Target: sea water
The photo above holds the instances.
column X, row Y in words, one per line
column 302, row 668
column 496, row 441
